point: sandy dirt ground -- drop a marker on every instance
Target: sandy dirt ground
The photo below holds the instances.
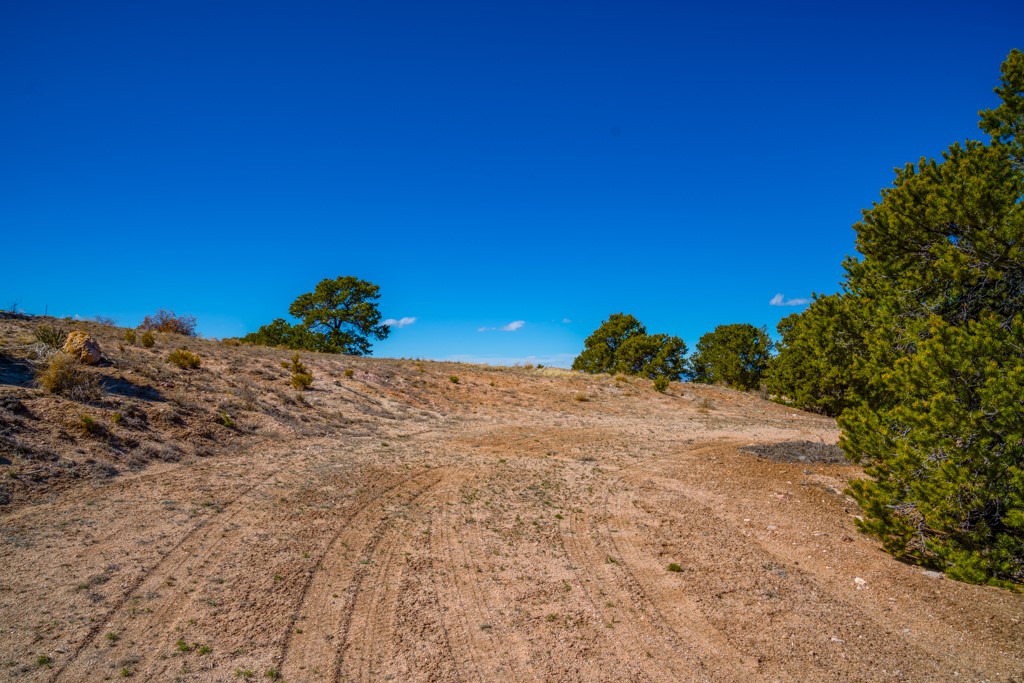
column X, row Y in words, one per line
column 518, row 525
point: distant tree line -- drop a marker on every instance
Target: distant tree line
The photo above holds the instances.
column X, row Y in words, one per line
column 920, row 355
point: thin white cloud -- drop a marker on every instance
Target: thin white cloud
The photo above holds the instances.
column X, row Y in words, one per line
column 511, row 327
column 566, row 321
column 401, row 322
column 780, row 300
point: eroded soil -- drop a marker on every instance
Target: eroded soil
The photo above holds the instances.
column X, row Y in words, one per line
column 518, row 525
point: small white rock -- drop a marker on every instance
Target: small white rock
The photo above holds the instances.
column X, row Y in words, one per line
column 860, row 583
column 933, row 574
column 838, row 640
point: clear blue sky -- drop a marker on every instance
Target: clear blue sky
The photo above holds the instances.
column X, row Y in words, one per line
column 483, row 162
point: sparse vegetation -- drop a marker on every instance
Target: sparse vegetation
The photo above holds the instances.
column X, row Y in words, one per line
column 184, row 359
column 147, row 339
column 170, row 323
column 349, row 372
column 129, row 336
column 454, row 379
column 674, row 567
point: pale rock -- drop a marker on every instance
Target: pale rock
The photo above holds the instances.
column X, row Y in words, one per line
column 83, row 347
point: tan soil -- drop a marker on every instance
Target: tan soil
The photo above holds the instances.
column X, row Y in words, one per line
column 398, row 526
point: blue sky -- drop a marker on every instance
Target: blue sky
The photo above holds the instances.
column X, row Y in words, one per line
column 486, row 163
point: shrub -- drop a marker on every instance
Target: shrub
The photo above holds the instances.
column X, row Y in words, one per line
column 184, row 359
column 129, row 336
column 147, row 339
column 168, row 321
column 65, row 376
column 661, row 383
column 349, row 372
column 302, row 378
column 90, row 426
column 453, row 379
column 51, row 335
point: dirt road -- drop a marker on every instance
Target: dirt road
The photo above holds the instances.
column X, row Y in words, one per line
column 513, row 526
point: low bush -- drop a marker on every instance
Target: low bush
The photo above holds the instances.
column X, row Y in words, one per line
column 129, row 336
column 168, row 321
column 65, row 376
column 661, row 383
column 184, row 359
column 147, row 339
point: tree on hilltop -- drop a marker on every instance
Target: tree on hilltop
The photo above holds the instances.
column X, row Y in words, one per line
column 338, row 316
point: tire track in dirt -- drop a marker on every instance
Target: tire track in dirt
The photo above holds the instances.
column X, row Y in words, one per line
column 468, row 624
column 829, row 612
column 145, row 576
column 375, row 607
column 355, row 596
column 329, row 573
column 649, row 633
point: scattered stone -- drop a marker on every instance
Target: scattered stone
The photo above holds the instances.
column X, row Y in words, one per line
column 83, row 347
column 933, row 574
column 860, row 583
column 799, row 451
column 836, row 639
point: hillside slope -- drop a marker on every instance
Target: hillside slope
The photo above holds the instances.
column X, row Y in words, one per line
column 518, row 524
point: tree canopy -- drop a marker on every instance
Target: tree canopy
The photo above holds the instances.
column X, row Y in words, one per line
column 621, row 344
column 735, row 355
column 338, row 316
column 922, row 354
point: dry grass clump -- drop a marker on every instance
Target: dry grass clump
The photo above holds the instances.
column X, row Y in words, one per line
column 184, row 359
column 65, row 376
column 168, row 321
column 129, row 336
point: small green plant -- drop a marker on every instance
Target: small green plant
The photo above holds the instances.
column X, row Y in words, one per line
column 117, row 418
column 244, row 673
column 454, row 379
column 90, row 426
column 147, row 339
column 43, row 660
column 204, row 649
column 184, row 359
column 661, row 383
column 182, row 646
column 65, row 376
column 225, row 419
column 125, row 672
column 302, row 378
column 129, row 336
column 674, row 567
column 273, row 674
column 51, row 335
column 349, row 372
column 112, row 637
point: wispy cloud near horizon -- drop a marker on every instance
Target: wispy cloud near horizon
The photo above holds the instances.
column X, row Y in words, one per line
column 511, row 327
column 780, row 300
column 400, row 322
